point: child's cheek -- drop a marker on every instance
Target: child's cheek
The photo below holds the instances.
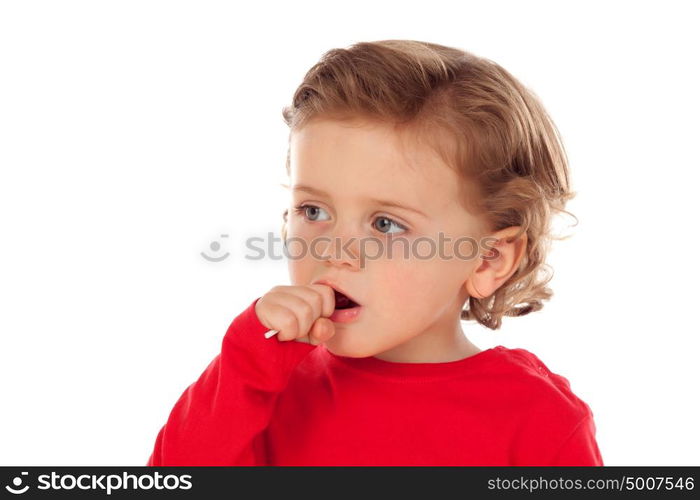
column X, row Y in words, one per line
column 299, row 238
column 415, row 282
column 394, row 253
column 396, row 283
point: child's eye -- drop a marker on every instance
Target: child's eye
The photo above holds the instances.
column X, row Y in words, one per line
column 387, row 224
column 307, row 211
column 311, row 213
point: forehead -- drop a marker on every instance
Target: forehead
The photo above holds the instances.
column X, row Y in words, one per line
column 370, row 159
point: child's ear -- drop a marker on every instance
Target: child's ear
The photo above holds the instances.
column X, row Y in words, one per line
column 283, row 229
column 498, row 263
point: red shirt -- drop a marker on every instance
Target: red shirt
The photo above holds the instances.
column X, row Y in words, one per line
column 266, row 402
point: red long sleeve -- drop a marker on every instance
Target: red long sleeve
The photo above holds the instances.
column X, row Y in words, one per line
column 266, row 402
column 219, row 419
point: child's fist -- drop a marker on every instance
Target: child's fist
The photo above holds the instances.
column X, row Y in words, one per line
column 298, row 312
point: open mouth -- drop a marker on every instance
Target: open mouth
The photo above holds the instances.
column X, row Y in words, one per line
column 343, row 301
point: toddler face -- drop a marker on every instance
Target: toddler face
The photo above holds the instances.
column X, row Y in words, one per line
column 340, row 175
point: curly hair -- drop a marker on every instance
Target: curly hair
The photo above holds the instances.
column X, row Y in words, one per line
column 485, row 124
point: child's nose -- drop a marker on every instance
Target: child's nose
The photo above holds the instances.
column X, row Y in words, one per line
column 339, row 249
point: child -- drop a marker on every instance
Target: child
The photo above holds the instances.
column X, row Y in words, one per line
column 369, row 364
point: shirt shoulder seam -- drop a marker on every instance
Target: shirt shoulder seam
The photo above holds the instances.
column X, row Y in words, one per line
column 568, row 438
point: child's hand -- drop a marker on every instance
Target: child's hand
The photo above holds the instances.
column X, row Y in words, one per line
column 298, row 312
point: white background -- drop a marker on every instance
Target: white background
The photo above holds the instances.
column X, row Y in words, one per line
column 135, row 133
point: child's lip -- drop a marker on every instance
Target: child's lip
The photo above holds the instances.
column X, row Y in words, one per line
column 336, row 288
column 346, row 315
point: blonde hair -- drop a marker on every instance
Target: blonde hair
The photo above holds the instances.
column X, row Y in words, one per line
column 482, row 122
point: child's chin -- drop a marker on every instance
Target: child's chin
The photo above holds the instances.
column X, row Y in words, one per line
column 340, row 347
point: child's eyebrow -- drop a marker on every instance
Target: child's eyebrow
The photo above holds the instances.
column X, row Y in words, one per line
column 385, row 203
